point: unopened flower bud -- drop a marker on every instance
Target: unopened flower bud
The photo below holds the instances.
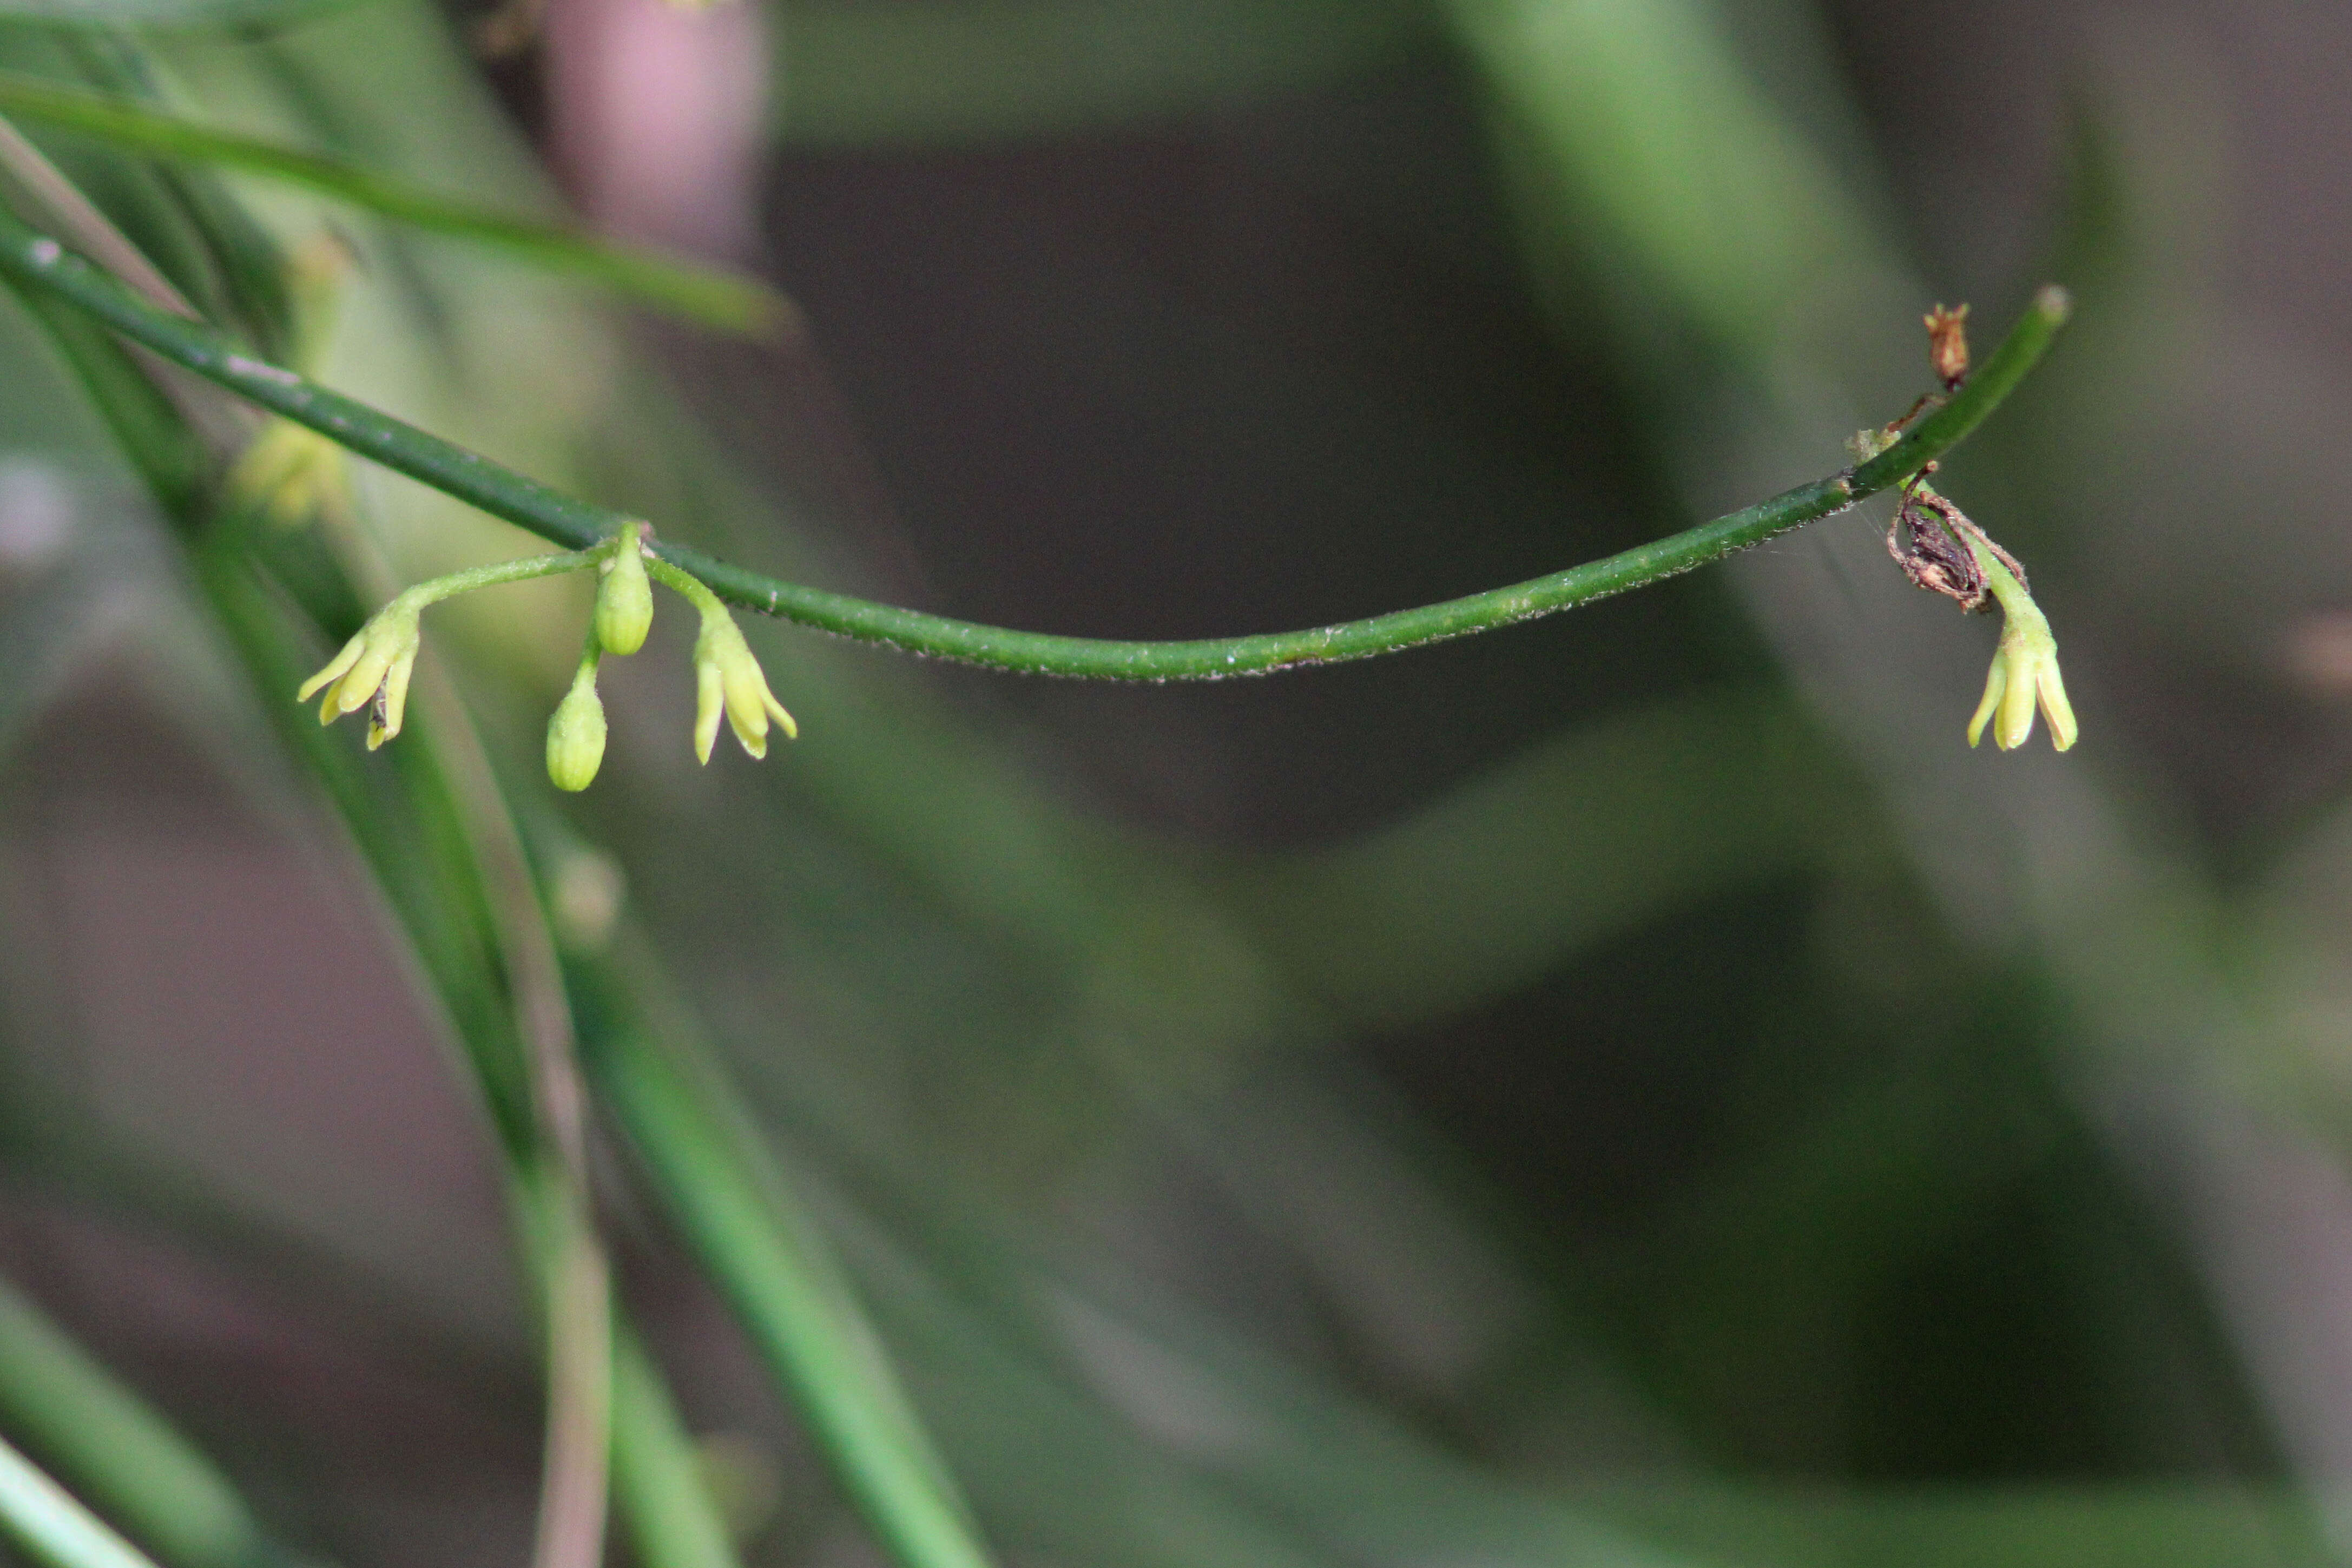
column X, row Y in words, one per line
column 576, row 736
column 625, row 599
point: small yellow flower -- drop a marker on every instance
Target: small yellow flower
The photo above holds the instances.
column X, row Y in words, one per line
column 625, row 599
column 2024, row 669
column 726, row 677
column 576, row 736
column 374, row 665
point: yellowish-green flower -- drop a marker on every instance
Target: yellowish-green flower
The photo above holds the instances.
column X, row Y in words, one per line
column 728, row 679
column 290, row 474
column 2024, row 672
column 374, row 666
column 625, row 599
column 576, row 736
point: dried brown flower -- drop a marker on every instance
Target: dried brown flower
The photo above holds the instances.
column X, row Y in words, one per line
column 1948, row 344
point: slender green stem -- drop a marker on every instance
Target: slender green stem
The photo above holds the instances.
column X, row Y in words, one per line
column 520, row 570
column 578, row 1303
column 685, row 586
column 47, row 1520
column 40, row 263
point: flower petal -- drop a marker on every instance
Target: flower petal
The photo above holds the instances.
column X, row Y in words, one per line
column 2014, row 725
column 395, row 692
column 708, row 702
column 784, row 719
column 1996, row 682
column 357, row 689
column 747, row 697
column 2054, row 706
column 335, row 666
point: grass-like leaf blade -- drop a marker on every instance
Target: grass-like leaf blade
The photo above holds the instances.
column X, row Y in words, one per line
column 192, row 15
column 709, row 295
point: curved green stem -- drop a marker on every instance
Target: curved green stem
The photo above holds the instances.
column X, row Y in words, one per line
column 36, row 261
column 685, row 586
column 521, row 568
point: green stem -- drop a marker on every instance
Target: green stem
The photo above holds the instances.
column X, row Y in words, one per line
column 40, row 263
column 592, row 654
column 520, row 570
column 685, row 586
column 44, row 1519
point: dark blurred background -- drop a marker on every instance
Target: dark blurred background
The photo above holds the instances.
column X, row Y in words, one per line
column 1632, row 1085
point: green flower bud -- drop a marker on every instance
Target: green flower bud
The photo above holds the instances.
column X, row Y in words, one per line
column 576, row 736
column 625, row 599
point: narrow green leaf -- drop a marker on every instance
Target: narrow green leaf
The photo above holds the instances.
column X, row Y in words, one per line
column 1495, row 883
column 119, row 1449
column 238, row 270
column 169, row 456
column 193, row 16
column 1658, row 151
column 656, row 1477
column 709, row 295
column 771, row 1260
column 919, row 71
column 425, row 861
column 2181, row 1522
column 44, row 1519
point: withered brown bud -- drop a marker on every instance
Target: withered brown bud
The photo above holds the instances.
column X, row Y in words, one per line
column 1934, row 559
column 1948, row 344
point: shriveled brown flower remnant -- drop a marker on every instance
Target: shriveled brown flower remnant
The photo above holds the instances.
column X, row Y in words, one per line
column 1948, row 344
column 1935, row 554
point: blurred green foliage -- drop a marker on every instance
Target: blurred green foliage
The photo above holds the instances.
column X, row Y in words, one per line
column 1675, row 1105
